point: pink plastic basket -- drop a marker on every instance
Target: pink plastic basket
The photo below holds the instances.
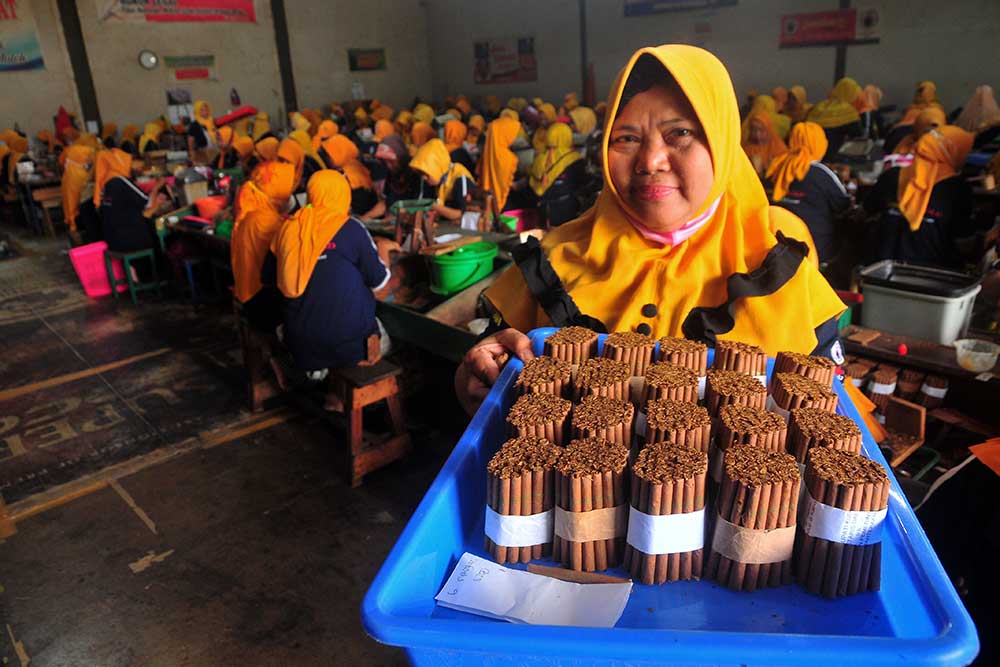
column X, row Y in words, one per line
column 527, row 218
column 88, row 261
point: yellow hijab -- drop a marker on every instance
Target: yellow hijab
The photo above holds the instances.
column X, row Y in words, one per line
column 434, row 160
column 802, row 107
column 584, row 119
column 207, row 123
column 152, row 133
column 304, row 236
column 761, row 155
column 806, row 144
column 384, row 128
column 326, row 130
column 18, row 147
column 539, row 140
column 51, row 141
column 553, row 161
column 424, row 113
column 612, row 271
column 261, row 125
column 110, row 163
column 498, row 163
column 267, row 148
column 940, row 154
column 421, row 133
column 344, row 155
column 838, row 109
column 78, row 163
column 767, row 104
column 925, row 96
column 290, row 151
column 306, row 142
column 256, row 223
column 549, row 112
column 926, row 120
column 455, row 132
column 477, row 124
column 244, row 146
column 109, row 131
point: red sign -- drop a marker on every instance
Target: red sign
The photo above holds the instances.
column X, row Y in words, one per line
column 178, row 11
column 844, row 26
column 189, row 73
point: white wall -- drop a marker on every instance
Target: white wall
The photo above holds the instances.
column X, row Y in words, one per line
column 321, row 32
column 31, row 98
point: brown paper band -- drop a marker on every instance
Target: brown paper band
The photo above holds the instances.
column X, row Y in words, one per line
column 602, row 524
column 753, row 547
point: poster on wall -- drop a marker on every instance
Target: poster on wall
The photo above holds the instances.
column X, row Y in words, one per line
column 19, row 48
column 843, row 26
column 177, row 11
column 510, row 60
column 365, row 60
column 646, row 7
column 190, row 68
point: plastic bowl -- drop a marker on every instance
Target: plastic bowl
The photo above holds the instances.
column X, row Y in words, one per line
column 976, row 355
column 209, row 206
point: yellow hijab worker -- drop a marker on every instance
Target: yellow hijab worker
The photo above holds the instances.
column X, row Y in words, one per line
column 681, row 241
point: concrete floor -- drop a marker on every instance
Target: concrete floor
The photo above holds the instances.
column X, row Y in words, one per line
column 247, row 548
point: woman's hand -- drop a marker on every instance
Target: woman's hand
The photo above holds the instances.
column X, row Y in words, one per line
column 482, row 364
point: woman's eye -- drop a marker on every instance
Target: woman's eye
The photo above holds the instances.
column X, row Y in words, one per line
column 626, row 138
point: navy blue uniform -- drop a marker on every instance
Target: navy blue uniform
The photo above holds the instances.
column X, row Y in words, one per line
column 818, row 199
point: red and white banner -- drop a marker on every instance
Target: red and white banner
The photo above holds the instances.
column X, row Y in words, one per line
column 177, row 11
column 844, row 26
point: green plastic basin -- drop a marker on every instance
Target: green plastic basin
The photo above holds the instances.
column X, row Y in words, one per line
column 456, row 270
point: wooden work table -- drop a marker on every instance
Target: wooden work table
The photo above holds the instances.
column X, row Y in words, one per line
column 921, row 354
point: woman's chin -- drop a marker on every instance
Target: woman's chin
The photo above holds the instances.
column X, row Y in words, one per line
column 659, row 217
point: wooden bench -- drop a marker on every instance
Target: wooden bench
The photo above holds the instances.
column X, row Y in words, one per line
column 48, row 199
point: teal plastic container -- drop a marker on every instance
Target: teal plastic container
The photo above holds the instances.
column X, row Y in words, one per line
column 456, row 270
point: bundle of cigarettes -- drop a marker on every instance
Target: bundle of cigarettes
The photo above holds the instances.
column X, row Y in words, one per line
column 605, row 418
column 687, row 425
column 933, row 391
column 839, row 548
column 666, row 380
column 603, row 377
column 882, row 385
column 631, row 347
column 909, row 383
column 755, row 527
column 858, row 370
column 791, row 391
column 731, row 355
column 733, row 387
column 745, row 425
column 820, row 369
column 545, row 375
column 667, row 480
column 540, row 416
column 813, row 427
column 683, row 352
column 572, row 344
column 520, row 482
column 591, row 505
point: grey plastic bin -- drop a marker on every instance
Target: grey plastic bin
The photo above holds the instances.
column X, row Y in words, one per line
column 919, row 301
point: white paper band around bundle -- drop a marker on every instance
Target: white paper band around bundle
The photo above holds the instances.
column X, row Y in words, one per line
column 667, row 534
column 751, row 546
column 772, row 406
column 604, row 524
column 857, row 528
column 933, row 392
column 519, row 531
column 761, row 378
column 879, row 388
column 701, row 387
column 858, row 382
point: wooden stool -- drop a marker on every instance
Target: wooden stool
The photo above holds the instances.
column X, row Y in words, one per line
column 256, row 346
column 7, row 527
column 48, row 199
column 365, row 385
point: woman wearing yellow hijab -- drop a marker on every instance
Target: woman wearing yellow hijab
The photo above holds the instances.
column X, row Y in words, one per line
column 539, row 140
column 498, row 164
column 925, row 207
column 383, row 129
column 403, row 123
column 201, row 131
column 766, row 104
column 266, row 148
column 780, row 95
column 109, row 133
column 18, row 146
column 463, row 105
column 110, row 164
column 797, row 105
column 299, row 122
column 261, row 126
column 761, row 141
column 150, row 139
column 130, row 139
column 259, row 208
column 838, row 114
column 326, row 130
column 584, row 120
column 680, row 239
column 340, row 153
column 423, row 113
column 570, row 102
column 455, row 133
column 244, row 148
column 556, row 174
column 228, row 157
column 809, row 189
column 78, row 165
column 327, row 269
column 420, row 134
column 451, row 181
column 927, row 120
column 312, row 162
column 48, row 138
column 290, row 152
column 923, row 97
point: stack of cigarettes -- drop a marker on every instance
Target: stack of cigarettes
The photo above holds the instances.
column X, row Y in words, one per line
column 852, row 562
column 545, row 375
column 933, row 391
column 744, row 425
column 755, row 527
column 812, row 427
column 605, row 418
column 684, row 424
column 666, row 480
column 791, row 391
column 631, row 347
column 520, row 482
column 540, row 416
column 666, row 380
column 591, row 516
column 572, row 344
column 820, row 369
column 683, row 352
column 731, row 355
column 603, row 377
column 909, row 383
column 858, row 370
column 882, row 386
column 733, row 387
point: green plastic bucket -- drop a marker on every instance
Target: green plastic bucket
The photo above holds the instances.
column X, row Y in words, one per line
column 412, row 205
column 456, row 270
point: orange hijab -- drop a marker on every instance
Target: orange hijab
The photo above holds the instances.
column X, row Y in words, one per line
column 421, row 133
column 780, row 95
column 267, row 148
column 477, row 124
column 304, row 236
column 290, row 152
column 611, row 271
column 925, row 96
column 761, row 155
column 49, row 139
column 344, row 155
column 244, row 146
column 383, row 128
column 455, row 132
column 225, row 136
column 462, row 103
column 110, row 164
column 926, row 120
column 940, row 154
column 78, row 162
column 326, row 130
column 806, row 144
column 499, row 163
column 257, row 220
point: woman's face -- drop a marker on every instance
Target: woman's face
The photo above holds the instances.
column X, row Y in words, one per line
column 431, row 181
column 659, row 160
column 205, row 111
column 758, row 133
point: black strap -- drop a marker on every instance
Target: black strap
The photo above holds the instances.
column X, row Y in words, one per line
column 548, row 289
column 781, row 263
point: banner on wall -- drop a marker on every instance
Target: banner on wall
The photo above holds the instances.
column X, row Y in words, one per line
column 646, row 7
column 190, row 68
column 843, row 26
column 177, row 11
column 19, row 48
column 363, row 60
column 510, row 60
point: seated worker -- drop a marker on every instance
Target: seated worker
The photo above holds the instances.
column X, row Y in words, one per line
column 326, row 129
column 130, row 139
column 902, row 140
column 868, row 104
column 228, row 157
column 261, row 127
column 557, row 174
column 583, row 120
column 838, row 115
column 290, row 152
column 680, row 237
column 260, row 205
column 981, row 116
column 780, row 123
column 391, row 177
column 77, row 202
column 327, row 269
column 444, row 181
column 925, row 207
column 476, row 137
column 201, row 131
column 498, row 164
column 924, row 96
column 150, row 139
column 760, row 140
column 808, row 188
column 340, row 153
column 311, row 161
column 243, row 146
column 109, row 135
column 420, row 134
column 52, row 145
column 126, row 212
column 797, row 105
column 266, row 149
column 455, row 133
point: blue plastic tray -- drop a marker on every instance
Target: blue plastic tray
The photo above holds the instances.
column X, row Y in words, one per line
column 916, row 619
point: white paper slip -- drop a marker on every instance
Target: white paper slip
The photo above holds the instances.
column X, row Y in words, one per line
column 479, row 586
